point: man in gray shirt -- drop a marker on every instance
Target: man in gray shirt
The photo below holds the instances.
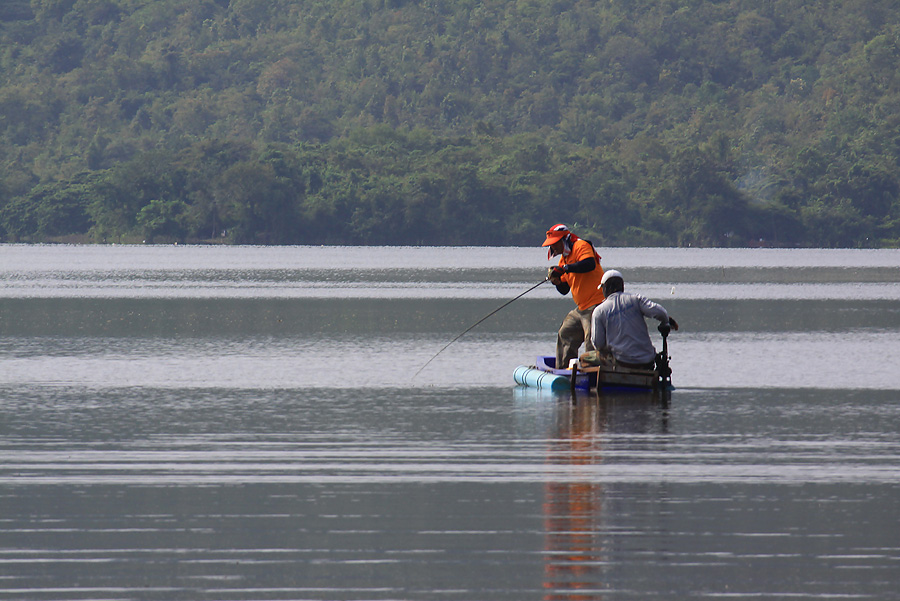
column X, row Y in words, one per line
column 618, row 326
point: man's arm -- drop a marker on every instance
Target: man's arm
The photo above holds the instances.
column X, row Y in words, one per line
column 555, row 276
column 556, row 273
column 651, row 309
column 583, row 266
column 598, row 330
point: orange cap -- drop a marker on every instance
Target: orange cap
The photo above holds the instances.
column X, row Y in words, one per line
column 555, row 234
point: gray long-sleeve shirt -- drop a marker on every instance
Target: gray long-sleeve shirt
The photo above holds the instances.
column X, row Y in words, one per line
column 618, row 325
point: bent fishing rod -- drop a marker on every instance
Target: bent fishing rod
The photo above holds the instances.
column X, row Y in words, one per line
column 472, row 327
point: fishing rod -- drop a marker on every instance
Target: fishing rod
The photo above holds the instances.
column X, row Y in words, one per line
column 470, row 328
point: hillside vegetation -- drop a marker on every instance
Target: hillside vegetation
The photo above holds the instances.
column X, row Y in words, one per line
column 638, row 122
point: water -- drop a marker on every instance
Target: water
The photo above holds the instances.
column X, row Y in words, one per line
column 243, row 423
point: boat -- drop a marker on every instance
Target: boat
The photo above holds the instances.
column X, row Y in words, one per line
column 581, row 376
column 588, row 374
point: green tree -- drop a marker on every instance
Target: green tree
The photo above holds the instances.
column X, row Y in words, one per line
column 49, row 210
column 163, row 218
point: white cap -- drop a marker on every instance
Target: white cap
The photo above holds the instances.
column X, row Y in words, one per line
column 612, row 273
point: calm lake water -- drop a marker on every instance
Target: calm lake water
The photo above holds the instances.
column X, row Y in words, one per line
column 231, row 423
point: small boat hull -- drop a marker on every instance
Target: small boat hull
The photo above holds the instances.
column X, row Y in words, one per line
column 586, row 377
column 583, row 380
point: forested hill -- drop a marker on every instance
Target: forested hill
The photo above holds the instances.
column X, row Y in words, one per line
column 638, row 122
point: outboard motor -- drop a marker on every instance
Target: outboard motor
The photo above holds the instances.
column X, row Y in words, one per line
column 662, row 358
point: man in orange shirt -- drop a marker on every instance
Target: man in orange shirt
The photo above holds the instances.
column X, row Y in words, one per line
column 578, row 271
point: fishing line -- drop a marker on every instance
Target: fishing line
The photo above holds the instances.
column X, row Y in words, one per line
column 470, row 328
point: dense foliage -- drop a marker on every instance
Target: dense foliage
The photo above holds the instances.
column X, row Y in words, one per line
column 642, row 122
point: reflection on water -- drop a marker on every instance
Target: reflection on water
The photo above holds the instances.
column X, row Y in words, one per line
column 443, row 494
column 573, row 510
column 242, row 423
column 576, row 536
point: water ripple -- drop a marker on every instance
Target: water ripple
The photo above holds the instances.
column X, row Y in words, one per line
column 761, row 461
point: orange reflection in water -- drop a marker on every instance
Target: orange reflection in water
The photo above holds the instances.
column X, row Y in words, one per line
column 573, row 509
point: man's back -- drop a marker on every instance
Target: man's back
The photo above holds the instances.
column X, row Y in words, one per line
column 618, row 325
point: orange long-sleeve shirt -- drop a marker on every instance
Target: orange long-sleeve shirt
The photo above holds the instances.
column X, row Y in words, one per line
column 585, row 287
